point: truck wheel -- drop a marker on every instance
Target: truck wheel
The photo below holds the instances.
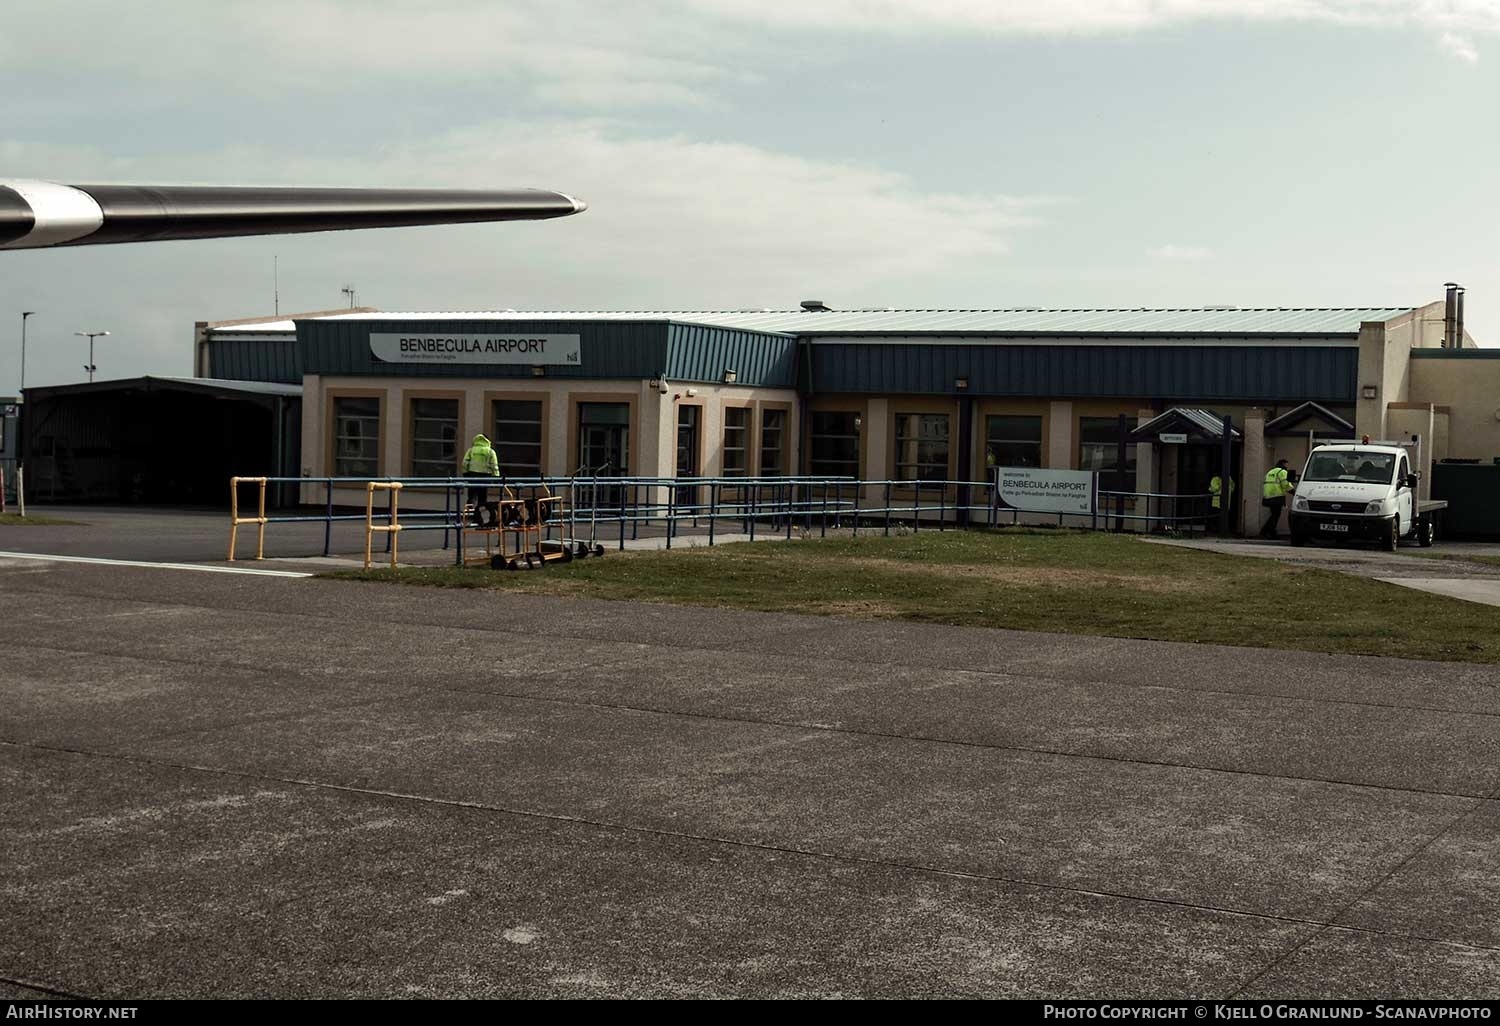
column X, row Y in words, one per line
column 1393, row 535
column 1299, row 539
column 1426, row 531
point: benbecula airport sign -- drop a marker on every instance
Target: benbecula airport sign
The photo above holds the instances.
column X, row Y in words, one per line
column 521, row 349
column 1046, row 491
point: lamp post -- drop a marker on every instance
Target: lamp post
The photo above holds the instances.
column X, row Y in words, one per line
column 21, row 423
column 91, row 336
column 24, row 314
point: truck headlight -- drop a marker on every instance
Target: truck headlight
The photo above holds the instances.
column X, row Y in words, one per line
column 1374, row 508
column 1299, row 504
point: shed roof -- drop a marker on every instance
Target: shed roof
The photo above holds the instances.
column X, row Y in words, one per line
column 153, row 383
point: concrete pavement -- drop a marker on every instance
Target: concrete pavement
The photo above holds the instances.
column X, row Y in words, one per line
column 234, row 786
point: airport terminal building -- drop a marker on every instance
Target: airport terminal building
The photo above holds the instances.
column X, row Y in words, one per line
column 877, row 394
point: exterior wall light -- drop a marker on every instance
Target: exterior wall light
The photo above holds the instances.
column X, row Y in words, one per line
column 1369, row 392
column 730, row 377
column 537, row 370
column 961, row 384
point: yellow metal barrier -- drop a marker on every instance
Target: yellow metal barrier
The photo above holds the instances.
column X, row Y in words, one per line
column 393, row 528
column 235, row 520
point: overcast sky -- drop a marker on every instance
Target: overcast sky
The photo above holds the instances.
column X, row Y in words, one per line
column 862, row 152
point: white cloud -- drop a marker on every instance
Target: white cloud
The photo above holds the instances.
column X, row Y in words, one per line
column 568, row 51
column 1460, row 46
column 1457, row 20
column 580, row 55
column 1181, row 254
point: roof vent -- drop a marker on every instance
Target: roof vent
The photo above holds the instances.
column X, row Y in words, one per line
column 815, row 306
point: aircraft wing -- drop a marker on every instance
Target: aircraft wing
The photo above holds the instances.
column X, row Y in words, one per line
column 35, row 214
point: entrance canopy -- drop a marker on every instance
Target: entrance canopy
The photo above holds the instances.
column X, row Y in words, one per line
column 1320, row 420
column 1196, row 424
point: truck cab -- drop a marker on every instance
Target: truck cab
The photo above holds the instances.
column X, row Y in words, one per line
column 1361, row 491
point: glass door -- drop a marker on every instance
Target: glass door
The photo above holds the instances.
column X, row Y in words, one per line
column 604, row 447
column 688, row 421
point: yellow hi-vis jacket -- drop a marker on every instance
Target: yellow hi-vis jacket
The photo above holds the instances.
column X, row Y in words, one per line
column 1215, row 486
column 1277, row 486
column 481, row 458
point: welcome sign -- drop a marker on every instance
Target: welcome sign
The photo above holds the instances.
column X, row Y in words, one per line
column 473, row 349
column 1046, row 491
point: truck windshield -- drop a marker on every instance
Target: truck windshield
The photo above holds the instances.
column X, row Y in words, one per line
column 1352, row 465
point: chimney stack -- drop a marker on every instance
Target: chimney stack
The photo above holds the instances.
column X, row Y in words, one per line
column 1450, row 312
column 1458, row 320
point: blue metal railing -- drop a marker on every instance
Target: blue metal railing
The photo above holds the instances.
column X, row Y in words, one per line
column 757, row 506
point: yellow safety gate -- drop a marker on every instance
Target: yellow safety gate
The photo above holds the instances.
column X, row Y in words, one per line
column 235, row 520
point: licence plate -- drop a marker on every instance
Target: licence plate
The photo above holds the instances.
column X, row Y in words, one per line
column 1333, row 527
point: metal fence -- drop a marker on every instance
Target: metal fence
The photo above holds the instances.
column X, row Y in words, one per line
column 616, row 510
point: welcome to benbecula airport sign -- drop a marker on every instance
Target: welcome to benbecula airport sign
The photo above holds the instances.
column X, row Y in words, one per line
column 522, row 349
column 1047, row 491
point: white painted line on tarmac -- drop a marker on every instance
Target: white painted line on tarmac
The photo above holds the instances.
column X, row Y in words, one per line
column 44, row 558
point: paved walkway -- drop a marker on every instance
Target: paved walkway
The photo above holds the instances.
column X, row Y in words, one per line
column 1445, row 569
column 1485, row 591
column 255, row 786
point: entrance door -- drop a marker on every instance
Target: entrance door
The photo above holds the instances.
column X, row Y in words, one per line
column 688, row 422
column 604, row 447
column 1197, row 464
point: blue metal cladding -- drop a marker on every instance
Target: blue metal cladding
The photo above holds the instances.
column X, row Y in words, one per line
column 699, row 353
column 275, row 359
column 620, row 349
column 1183, row 372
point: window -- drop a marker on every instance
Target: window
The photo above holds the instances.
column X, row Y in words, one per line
column 1352, row 465
column 518, row 437
column 772, row 443
column 1099, row 449
column 921, row 446
column 356, row 437
column 835, row 445
column 434, row 437
column 736, row 441
column 1013, row 441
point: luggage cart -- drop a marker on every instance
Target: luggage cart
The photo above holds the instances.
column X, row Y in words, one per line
column 522, row 521
column 582, row 548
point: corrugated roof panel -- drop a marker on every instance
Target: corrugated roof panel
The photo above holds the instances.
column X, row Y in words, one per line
column 701, row 353
column 1014, row 321
column 272, row 358
column 1192, row 373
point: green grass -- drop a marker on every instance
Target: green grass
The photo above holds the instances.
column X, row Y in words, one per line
column 1077, row 583
column 32, row 520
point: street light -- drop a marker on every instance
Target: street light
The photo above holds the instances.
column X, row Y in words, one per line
column 24, row 314
column 91, row 336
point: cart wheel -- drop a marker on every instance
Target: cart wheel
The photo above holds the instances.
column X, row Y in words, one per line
column 530, row 561
column 567, row 554
column 598, row 550
column 499, row 563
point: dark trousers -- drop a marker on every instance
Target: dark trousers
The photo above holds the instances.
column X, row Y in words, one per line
column 479, row 495
column 1275, row 506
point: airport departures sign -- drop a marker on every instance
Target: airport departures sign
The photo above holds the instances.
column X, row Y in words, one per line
column 1046, row 491
column 543, row 350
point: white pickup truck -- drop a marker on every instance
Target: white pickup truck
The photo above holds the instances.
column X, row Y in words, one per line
column 1363, row 491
